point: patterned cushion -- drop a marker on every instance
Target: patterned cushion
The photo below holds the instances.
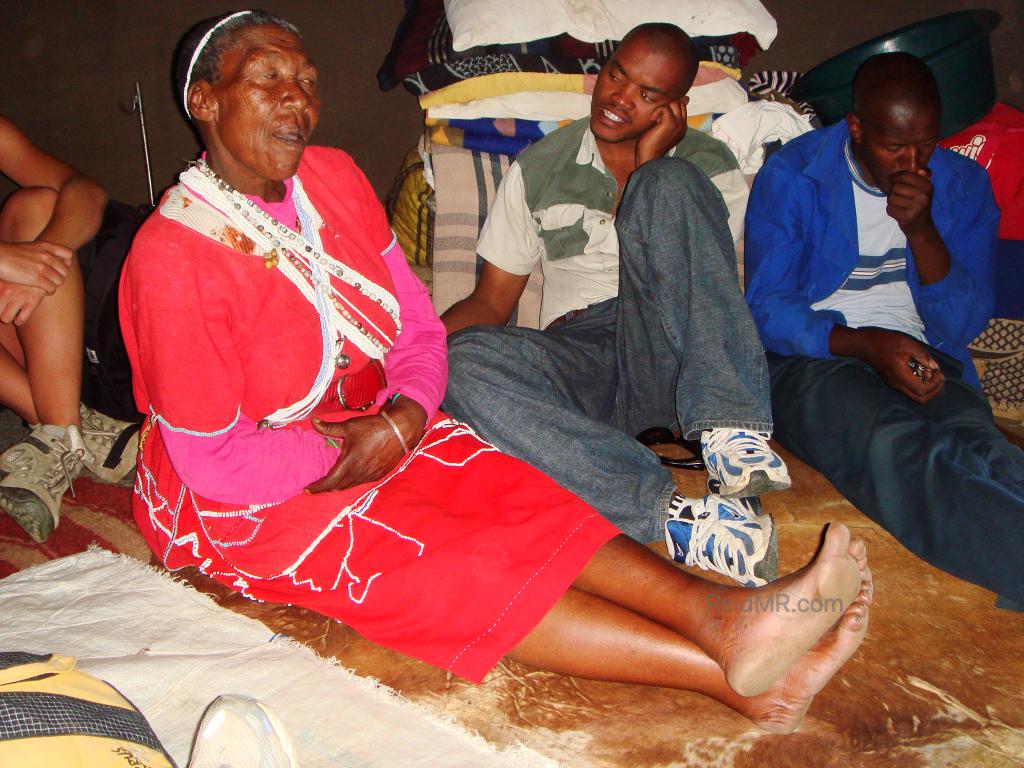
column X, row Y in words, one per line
column 422, row 57
column 999, row 358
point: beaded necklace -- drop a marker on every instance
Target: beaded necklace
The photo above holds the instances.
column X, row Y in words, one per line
column 300, row 251
column 307, row 267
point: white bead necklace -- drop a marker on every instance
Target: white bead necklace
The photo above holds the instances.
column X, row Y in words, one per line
column 303, row 250
column 306, row 266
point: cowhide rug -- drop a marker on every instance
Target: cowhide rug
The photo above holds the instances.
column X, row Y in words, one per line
column 939, row 681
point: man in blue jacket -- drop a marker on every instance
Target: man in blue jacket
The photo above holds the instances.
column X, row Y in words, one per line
column 869, row 263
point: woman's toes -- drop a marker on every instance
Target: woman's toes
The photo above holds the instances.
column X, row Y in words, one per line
column 867, row 587
column 859, row 551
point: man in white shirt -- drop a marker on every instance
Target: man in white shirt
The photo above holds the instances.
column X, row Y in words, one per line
column 644, row 322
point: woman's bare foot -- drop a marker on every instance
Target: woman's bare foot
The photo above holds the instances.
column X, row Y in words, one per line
column 782, row 707
column 764, row 632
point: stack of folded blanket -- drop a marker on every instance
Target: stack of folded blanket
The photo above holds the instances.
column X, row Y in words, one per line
column 485, row 84
column 493, row 77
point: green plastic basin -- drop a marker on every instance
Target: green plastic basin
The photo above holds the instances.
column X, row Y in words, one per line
column 955, row 46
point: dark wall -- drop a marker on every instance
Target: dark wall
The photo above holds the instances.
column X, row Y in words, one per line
column 67, row 66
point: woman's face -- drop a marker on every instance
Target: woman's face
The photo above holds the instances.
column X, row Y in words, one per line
column 261, row 112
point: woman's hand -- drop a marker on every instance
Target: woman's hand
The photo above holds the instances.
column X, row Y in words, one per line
column 37, row 264
column 17, row 302
column 369, row 446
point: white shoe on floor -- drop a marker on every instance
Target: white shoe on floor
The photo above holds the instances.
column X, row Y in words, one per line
column 241, row 732
column 741, row 463
column 727, row 536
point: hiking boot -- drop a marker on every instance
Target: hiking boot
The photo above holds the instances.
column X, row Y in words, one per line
column 728, row 536
column 741, row 463
column 240, row 732
column 113, row 445
column 40, row 469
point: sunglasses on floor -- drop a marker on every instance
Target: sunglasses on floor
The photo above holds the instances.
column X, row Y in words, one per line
column 664, row 436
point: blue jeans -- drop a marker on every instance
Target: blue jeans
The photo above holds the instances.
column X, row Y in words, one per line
column 940, row 477
column 677, row 347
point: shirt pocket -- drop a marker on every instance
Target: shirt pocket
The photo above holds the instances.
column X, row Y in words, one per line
column 563, row 231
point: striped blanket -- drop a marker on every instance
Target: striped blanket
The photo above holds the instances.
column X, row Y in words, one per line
column 465, row 184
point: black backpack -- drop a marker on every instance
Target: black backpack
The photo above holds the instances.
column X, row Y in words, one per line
column 106, row 373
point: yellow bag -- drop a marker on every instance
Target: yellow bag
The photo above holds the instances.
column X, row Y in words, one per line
column 53, row 715
column 410, row 209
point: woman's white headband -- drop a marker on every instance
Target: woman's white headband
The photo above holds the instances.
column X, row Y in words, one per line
column 199, row 50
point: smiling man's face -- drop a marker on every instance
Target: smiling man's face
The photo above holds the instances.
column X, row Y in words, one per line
column 635, row 83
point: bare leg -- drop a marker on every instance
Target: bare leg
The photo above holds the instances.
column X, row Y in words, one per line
column 586, row 636
column 15, row 392
column 633, row 617
column 754, row 635
column 51, row 340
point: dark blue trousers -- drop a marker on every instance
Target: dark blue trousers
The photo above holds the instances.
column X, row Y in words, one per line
column 940, row 477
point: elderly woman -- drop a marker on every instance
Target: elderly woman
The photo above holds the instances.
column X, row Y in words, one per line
column 292, row 367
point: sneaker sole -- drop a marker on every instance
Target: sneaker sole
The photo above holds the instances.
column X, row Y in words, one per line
column 768, row 568
column 27, row 511
column 758, row 484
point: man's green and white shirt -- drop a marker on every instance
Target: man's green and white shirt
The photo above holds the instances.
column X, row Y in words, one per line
column 556, row 203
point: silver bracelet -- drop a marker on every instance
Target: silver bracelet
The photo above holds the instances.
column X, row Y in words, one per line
column 394, row 428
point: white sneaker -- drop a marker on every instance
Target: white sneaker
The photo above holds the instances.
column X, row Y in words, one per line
column 727, row 536
column 39, row 471
column 113, row 445
column 241, row 732
column 741, row 463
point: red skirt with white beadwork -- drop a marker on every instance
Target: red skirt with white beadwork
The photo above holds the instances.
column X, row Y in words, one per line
column 452, row 558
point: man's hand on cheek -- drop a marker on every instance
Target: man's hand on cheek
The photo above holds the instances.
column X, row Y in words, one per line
column 668, row 130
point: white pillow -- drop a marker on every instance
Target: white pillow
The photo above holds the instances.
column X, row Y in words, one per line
column 490, row 22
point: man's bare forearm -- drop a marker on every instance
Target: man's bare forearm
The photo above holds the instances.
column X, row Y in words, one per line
column 930, row 255
column 472, row 310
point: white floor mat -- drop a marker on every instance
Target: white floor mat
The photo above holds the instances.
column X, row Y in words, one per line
column 172, row 650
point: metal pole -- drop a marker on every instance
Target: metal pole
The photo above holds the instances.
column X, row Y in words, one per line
column 136, row 106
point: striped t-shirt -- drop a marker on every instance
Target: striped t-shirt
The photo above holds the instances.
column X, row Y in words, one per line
column 876, row 292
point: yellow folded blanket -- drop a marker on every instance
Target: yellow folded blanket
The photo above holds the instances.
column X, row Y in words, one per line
column 504, row 83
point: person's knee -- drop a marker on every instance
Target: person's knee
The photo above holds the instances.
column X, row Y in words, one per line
column 26, row 212
column 471, row 353
column 667, row 184
column 669, row 176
